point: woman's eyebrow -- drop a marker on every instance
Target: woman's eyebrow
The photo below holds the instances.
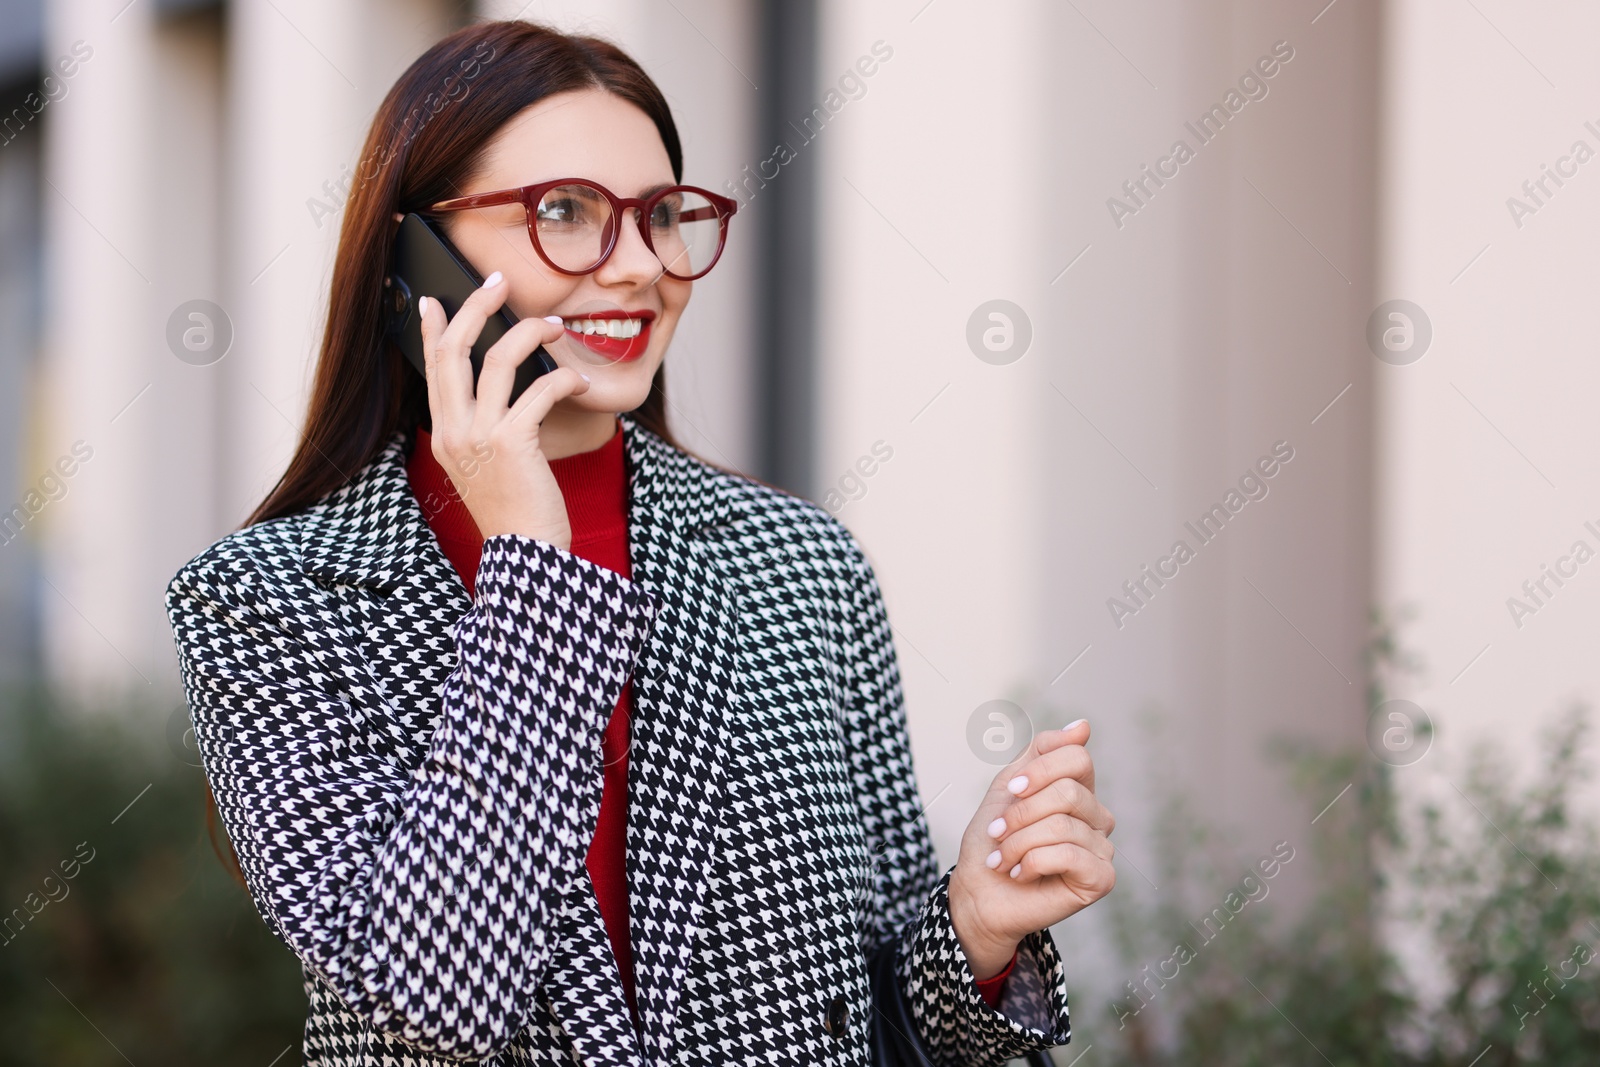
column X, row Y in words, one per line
column 644, row 194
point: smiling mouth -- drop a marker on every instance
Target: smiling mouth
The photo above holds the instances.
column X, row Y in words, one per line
column 618, row 336
column 624, row 328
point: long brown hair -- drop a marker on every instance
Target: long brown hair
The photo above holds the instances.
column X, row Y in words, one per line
column 426, row 140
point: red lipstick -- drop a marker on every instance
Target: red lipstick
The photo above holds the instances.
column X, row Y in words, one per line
column 596, row 332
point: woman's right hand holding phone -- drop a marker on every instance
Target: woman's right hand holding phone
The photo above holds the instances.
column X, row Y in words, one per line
column 490, row 450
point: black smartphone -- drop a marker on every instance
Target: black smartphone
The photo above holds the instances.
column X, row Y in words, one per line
column 425, row 263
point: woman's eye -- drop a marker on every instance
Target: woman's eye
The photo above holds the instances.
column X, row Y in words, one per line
column 665, row 216
column 558, row 211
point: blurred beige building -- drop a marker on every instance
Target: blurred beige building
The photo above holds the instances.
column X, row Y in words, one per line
column 1174, row 323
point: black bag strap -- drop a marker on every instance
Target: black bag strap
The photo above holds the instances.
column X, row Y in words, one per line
column 891, row 1034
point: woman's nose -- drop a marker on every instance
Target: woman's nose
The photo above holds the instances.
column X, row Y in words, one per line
column 631, row 261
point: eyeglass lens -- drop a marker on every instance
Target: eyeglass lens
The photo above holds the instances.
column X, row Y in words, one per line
column 574, row 226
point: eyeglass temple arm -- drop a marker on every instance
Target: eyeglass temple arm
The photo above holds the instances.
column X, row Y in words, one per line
column 494, row 199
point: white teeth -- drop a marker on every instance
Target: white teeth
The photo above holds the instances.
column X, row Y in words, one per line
column 619, row 328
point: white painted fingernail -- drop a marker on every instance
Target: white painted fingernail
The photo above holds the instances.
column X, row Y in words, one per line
column 1075, row 723
column 997, row 828
column 994, row 858
column 1018, row 784
column 557, row 319
column 492, row 280
column 1016, row 871
column 422, row 306
column 584, row 376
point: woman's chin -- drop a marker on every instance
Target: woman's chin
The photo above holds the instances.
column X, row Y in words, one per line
column 609, row 392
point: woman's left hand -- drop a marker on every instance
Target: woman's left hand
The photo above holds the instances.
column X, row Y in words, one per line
column 1037, row 850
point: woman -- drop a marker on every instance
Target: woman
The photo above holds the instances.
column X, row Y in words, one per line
column 539, row 740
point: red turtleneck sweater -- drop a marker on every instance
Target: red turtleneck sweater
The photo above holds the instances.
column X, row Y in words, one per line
column 595, row 487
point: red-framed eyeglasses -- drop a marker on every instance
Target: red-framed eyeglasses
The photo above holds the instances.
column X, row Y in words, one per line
column 573, row 223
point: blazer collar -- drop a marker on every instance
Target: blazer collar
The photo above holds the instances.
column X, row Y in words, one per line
column 371, row 531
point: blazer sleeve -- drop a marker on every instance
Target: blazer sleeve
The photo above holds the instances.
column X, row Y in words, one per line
column 910, row 902
column 428, row 897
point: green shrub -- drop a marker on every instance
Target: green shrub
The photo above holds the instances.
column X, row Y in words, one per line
column 125, row 939
column 1503, row 880
column 1516, row 906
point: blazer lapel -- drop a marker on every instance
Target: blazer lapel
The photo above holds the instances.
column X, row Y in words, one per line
column 683, row 686
column 371, row 534
column 370, row 531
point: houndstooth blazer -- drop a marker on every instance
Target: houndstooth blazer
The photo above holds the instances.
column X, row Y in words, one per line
column 411, row 781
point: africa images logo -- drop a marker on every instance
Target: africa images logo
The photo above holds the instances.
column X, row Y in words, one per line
column 1538, row 592
column 1252, row 486
column 1252, row 85
column 851, row 85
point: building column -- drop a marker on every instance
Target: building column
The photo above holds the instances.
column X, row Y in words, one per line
column 103, row 230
